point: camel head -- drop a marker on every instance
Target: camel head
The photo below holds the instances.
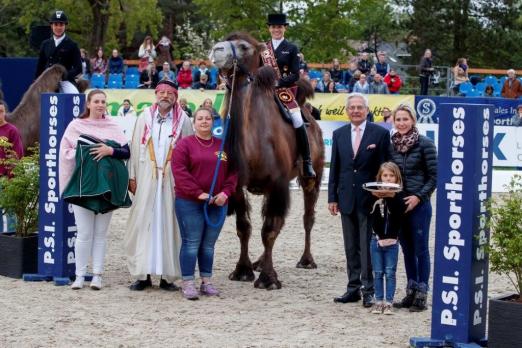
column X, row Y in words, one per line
column 240, row 46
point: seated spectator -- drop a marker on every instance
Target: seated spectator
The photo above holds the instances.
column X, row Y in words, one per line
column 315, row 85
column 381, row 67
column 203, row 83
column 185, row 76
column 164, row 50
column 202, row 69
column 355, row 77
column 116, row 63
column 330, row 88
column 315, row 112
column 348, row 74
column 99, row 63
column 516, row 120
column 489, row 91
column 361, row 86
column 393, row 81
column 364, row 65
column 336, row 73
column 323, row 84
column 460, row 75
column 126, row 109
column 86, row 64
column 378, row 86
column 184, row 105
column 149, row 77
column 166, row 73
column 146, row 53
column 511, row 88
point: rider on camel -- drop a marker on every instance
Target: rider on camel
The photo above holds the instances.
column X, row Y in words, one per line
column 287, row 70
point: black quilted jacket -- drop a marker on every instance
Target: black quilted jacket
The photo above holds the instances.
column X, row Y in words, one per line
column 418, row 168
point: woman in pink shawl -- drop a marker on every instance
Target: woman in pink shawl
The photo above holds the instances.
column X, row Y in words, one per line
column 92, row 228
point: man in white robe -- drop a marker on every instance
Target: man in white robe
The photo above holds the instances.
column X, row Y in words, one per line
column 152, row 240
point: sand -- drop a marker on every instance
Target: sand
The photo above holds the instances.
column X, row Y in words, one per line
column 302, row 313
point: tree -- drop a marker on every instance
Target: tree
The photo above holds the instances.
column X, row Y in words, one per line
column 93, row 23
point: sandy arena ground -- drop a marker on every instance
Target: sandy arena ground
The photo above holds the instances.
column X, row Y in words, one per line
column 302, row 313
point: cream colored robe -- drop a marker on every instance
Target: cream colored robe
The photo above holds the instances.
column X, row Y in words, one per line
column 139, row 234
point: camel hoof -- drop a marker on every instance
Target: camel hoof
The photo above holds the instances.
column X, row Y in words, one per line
column 242, row 274
column 267, row 282
column 306, row 264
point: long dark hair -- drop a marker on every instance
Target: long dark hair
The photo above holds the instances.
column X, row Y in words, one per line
column 86, row 112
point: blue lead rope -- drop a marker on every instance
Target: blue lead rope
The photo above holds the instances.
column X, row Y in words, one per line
column 223, row 212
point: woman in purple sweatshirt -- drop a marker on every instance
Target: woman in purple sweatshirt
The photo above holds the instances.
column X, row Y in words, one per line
column 193, row 163
column 10, row 135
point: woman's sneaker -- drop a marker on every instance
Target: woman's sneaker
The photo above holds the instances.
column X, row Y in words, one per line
column 96, row 282
column 377, row 308
column 387, row 309
column 208, row 289
column 78, row 283
column 189, row 290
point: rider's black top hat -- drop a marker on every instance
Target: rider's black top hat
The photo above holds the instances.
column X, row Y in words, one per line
column 58, row 17
column 277, row 19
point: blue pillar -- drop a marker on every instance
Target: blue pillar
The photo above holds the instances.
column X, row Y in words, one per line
column 56, row 225
column 460, row 277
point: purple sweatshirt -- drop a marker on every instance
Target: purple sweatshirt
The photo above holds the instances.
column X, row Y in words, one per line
column 11, row 134
column 193, row 164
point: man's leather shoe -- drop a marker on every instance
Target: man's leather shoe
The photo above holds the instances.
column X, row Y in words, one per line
column 140, row 285
column 164, row 285
column 349, row 296
column 367, row 300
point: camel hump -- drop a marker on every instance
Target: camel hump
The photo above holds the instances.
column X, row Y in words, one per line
column 265, row 78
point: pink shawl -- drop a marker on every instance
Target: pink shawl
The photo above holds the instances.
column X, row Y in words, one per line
column 104, row 129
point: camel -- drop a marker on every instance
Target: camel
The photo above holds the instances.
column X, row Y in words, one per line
column 262, row 147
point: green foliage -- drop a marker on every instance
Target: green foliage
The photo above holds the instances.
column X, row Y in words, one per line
column 19, row 194
column 505, row 250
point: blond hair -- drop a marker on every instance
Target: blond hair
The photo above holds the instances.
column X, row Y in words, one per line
column 408, row 109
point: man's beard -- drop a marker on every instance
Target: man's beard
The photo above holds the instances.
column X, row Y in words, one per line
column 164, row 105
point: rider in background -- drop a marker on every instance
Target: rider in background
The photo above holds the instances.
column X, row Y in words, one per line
column 60, row 49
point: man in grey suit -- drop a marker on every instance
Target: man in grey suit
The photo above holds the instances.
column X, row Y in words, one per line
column 358, row 150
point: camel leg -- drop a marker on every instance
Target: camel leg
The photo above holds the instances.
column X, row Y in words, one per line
column 268, row 277
column 275, row 208
column 244, row 270
column 310, row 199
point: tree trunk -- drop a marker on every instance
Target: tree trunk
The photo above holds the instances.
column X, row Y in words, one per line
column 100, row 14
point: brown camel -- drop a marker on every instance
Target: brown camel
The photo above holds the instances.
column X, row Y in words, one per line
column 26, row 116
column 262, row 147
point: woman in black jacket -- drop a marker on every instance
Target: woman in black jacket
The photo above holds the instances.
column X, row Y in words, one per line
column 416, row 157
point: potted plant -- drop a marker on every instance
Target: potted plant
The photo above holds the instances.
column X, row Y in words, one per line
column 19, row 194
column 505, row 255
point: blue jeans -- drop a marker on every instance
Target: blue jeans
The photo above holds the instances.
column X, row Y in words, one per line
column 197, row 238
column 414, row 239
column 384, row 262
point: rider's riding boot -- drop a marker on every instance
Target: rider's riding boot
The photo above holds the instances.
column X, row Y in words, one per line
column 304, row 149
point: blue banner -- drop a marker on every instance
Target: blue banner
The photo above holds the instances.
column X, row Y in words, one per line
column 460, row 279
column 56, row 225
column 429, row 108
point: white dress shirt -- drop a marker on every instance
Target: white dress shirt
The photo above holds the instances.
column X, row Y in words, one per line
column 276, row 43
